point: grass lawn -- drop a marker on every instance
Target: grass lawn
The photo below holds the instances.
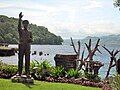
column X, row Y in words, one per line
column 6, row 84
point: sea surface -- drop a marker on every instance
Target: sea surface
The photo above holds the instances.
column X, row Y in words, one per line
column 49, row 51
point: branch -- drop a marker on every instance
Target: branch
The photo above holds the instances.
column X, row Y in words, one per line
column 112, row 52
column 107, row 50
column 87, row 47
column 99, row 51
column 112, row 65
column 116, row 52
column 78, row 53
column 89, row 44
column 97, row 43
column 73, row 45
column 83, row 54
column 94, row 50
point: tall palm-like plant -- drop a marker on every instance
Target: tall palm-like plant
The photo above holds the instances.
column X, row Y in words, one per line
column 73, row 73
column 58, row 71
column 42, row 67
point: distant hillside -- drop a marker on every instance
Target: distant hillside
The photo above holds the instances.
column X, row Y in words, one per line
column 41, row 35
column 111, row 40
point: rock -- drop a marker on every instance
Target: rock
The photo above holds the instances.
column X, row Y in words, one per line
column 22, row 79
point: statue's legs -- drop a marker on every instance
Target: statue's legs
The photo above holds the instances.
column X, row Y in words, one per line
column 20, row 59
column 27, row 59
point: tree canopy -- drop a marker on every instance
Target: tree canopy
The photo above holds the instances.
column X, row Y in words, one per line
column 117, row 3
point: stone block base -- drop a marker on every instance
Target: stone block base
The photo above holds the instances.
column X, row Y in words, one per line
column 22, row 79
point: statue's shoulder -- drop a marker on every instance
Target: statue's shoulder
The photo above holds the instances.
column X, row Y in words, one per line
column 20, row 30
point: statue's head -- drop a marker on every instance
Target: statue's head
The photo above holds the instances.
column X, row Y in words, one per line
column 25, row 23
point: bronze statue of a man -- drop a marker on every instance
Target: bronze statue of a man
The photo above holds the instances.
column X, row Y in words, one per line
column 25, row 39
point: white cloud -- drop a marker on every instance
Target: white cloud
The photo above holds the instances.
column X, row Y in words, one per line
column 65, row 19
column 92, row 4
column 4, row 5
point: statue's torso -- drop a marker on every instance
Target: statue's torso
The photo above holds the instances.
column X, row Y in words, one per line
column 24, row 36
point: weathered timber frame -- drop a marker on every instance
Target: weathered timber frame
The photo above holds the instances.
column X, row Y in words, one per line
column 113, row 60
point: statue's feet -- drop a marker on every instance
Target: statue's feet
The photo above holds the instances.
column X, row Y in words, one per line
column 18, row 74
column 28, row 76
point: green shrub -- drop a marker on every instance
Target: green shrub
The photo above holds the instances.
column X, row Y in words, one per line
column 73, row 73
column 115, row 82
column 1, row 65
column 44, row 64
column 10, row 69
column 92, row 77
column 57, row 71
column 43, row 68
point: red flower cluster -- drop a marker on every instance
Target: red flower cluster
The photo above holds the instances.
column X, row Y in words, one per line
column 75, row 81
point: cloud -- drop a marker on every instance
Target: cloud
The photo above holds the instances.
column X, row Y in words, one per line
column 4, row 5
column 81, row 30
column 92, row 4
column 66, row 18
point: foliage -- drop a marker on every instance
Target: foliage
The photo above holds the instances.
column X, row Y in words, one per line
column 2, row 64
column 117, row 3
column 45, row 64
column 43, row 69
column 4, row 68
column 9, row 69
column 49, row 73
column 41, row 35
column 73, row 73
column 58, row 71
column 92, row 77
column 40, row 65
column 115, row 82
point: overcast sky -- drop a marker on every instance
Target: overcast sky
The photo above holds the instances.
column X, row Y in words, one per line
column 67, row 18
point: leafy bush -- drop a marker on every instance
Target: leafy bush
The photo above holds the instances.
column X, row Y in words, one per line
column 40, row 65
column 58, row 71
column 92, row 77
column 10, row 69
column 4, row 68
column 73, row 73
column 1, row 65
column 45, row 64
column 42, row 70
column 7, row 71
column 115, row 82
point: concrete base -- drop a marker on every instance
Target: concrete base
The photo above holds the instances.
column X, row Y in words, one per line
column 22, row 79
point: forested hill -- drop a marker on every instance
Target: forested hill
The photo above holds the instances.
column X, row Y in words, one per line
column 41, row 35
column 109, row 41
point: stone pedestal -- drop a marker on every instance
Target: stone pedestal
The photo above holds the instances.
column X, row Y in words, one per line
column 22, row 79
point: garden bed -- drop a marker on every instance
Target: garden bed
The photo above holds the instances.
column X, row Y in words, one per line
column 46, row 72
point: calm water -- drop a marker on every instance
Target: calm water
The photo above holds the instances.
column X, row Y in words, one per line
column 52, row 50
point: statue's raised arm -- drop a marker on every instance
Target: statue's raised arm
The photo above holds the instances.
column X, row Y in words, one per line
column 19, row 22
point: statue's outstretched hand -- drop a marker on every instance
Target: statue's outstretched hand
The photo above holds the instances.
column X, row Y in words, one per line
column 20, row 15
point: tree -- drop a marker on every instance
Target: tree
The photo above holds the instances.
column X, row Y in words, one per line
column 117, row 3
